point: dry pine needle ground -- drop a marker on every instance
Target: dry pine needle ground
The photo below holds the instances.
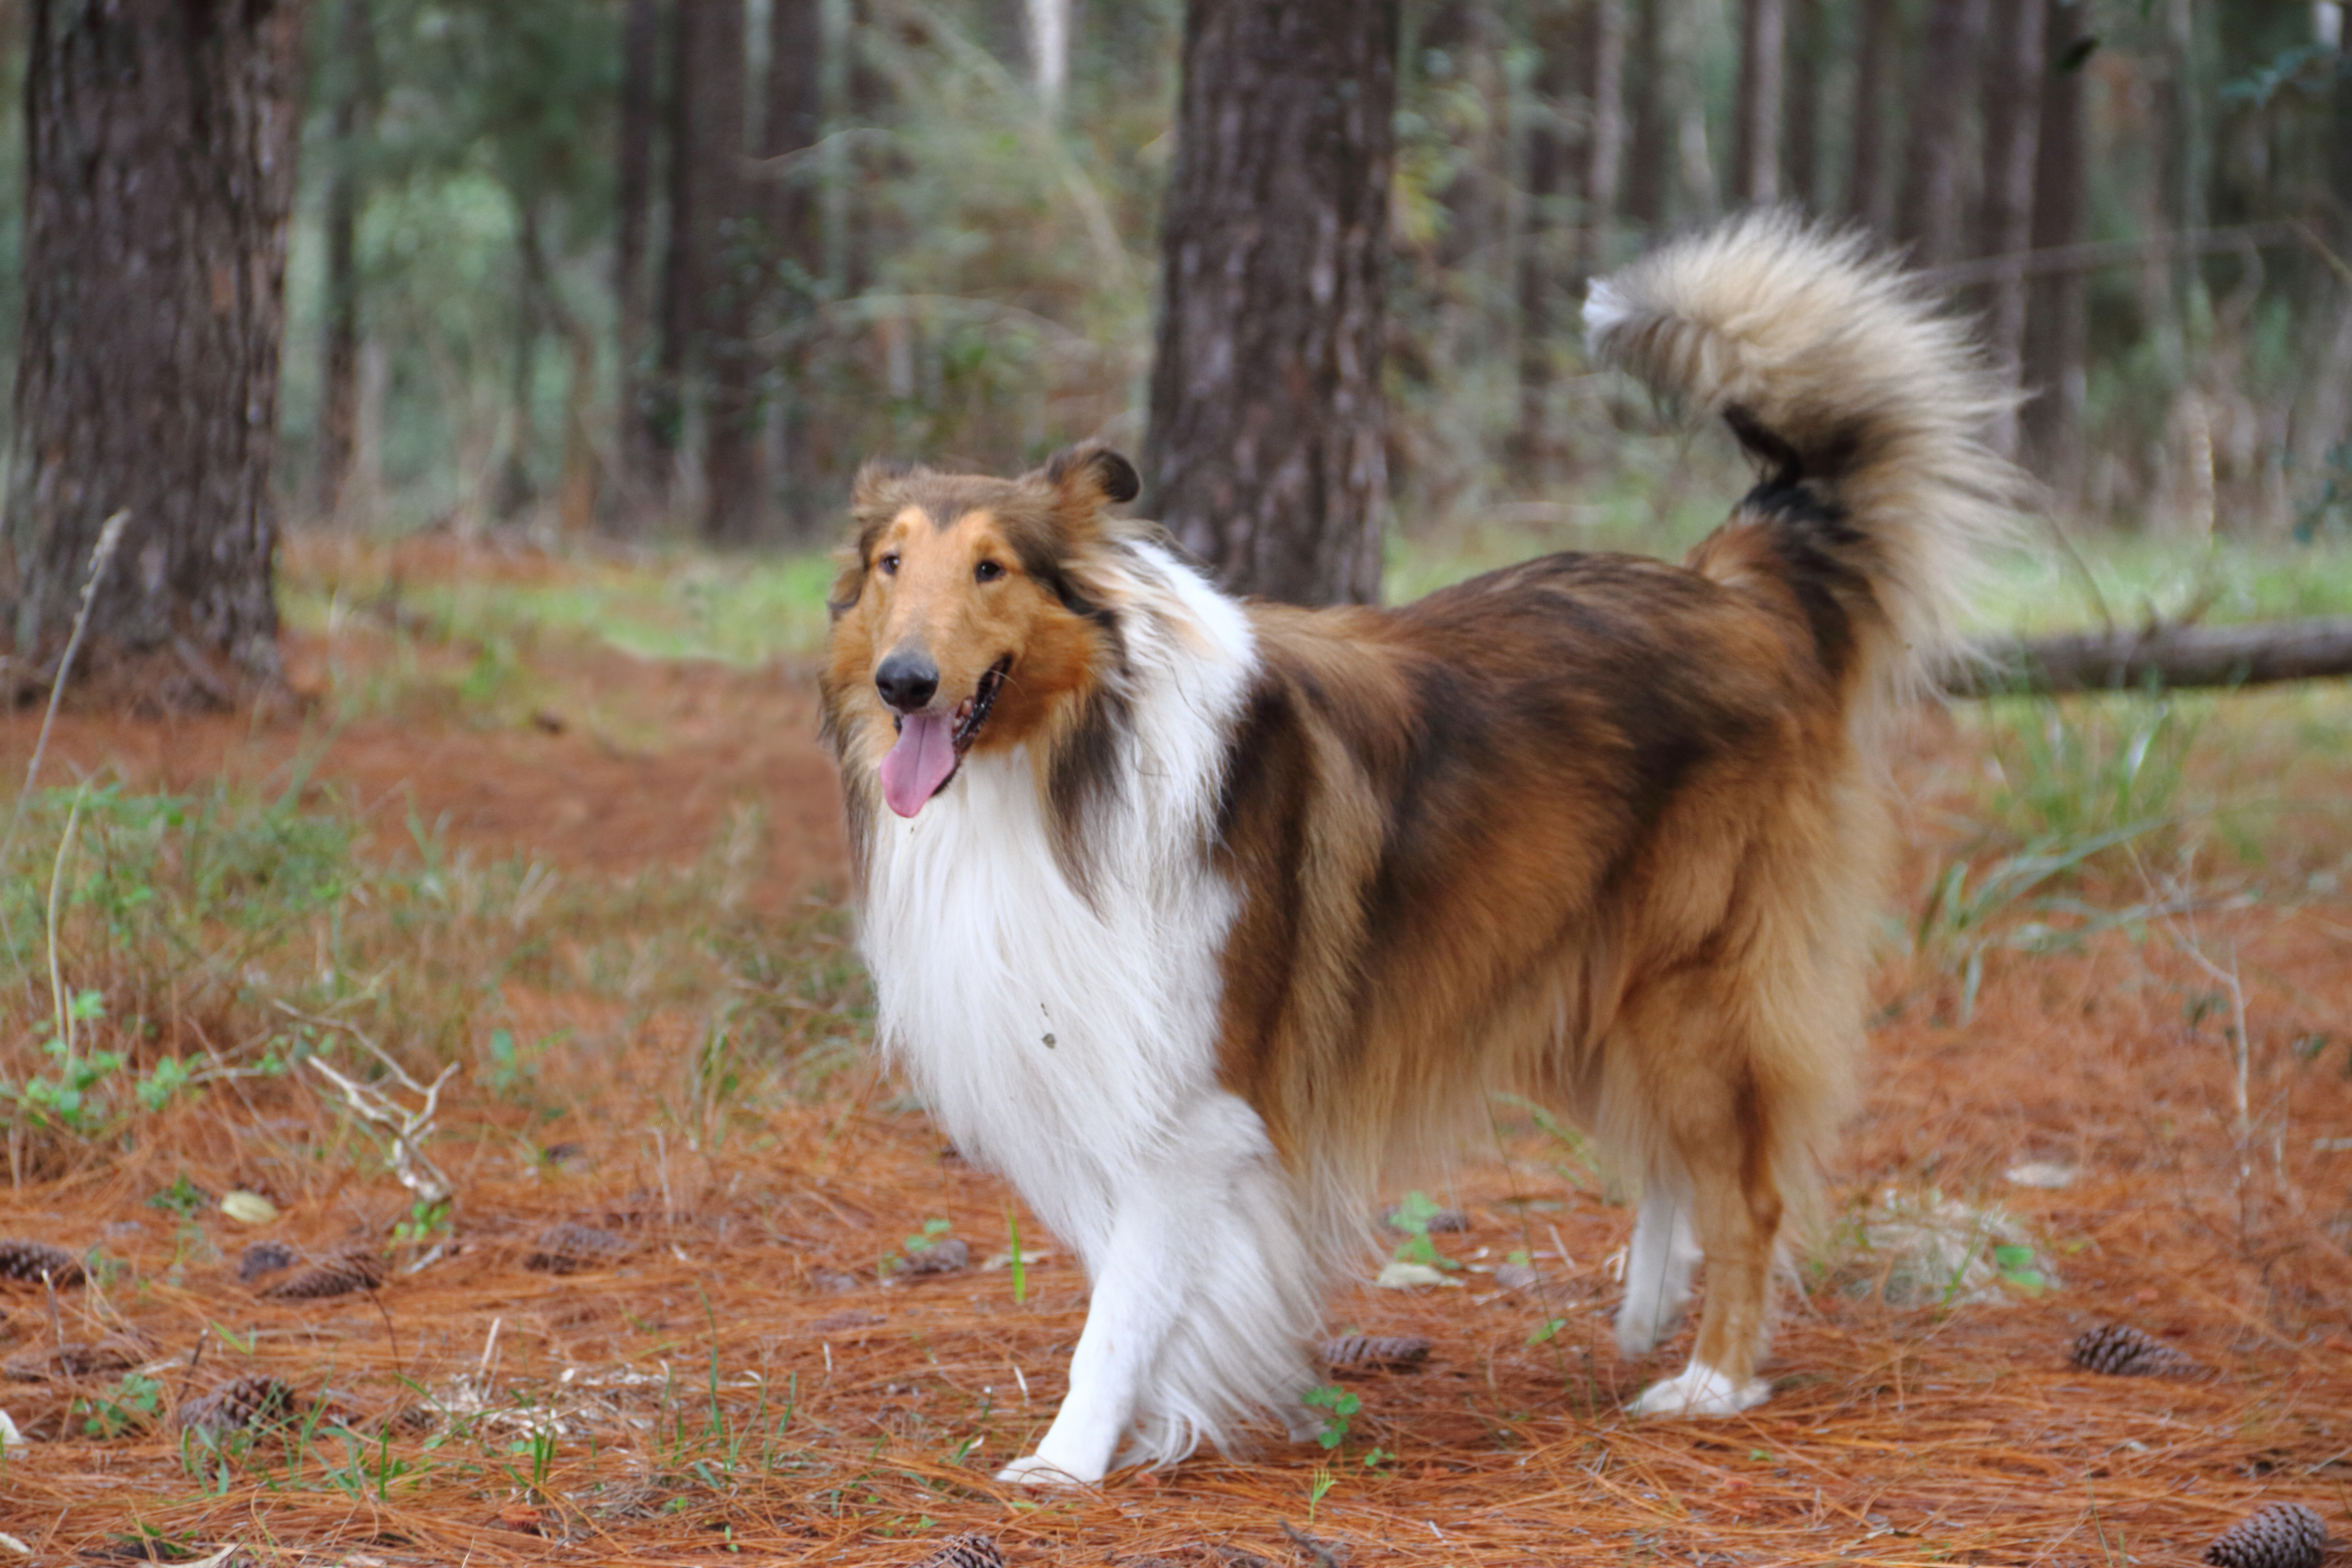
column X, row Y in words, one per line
column 688, row 1312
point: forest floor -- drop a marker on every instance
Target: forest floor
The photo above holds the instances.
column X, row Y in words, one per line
column 2109, row 1080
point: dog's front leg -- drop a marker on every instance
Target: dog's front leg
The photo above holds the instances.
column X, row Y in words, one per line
column 1136, row 1300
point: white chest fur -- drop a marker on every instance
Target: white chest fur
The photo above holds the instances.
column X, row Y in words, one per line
column 1057, row 1040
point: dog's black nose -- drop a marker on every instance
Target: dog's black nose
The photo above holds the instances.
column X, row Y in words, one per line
column 907, row 681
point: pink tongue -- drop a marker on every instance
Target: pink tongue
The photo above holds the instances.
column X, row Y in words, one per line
column 921, row 762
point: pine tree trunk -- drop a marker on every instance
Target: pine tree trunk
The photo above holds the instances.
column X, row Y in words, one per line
column 791, row 128
column 1046, row 26
column 1933, row 187
column 645, row 469
column 1869, row 191
column 1551, row 32
column 685, row 273
column 1268, row 418
column 2012, row 120
column 353, row 85
column 721, row 334
column 160, row 153
column 1801, row 110
column 2057, row 323
column 1755, row 127
column 1604, row 142
column 1645, row 170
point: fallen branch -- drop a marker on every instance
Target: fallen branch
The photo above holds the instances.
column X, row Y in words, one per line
column 404, row 1129
column 2167, row 655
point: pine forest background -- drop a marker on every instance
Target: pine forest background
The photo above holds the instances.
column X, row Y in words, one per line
column 528, row 286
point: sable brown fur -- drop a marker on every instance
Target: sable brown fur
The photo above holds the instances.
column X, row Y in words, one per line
column 1595, row 829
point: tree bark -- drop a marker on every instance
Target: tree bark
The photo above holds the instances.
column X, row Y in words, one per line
column 1268, row 418
column 2168, row 656
column 723, row 267
column 2057, row 320
column 1046, row 26
column 789, row 129
column 1869, row 194
column 1646, row 172
column 1755, row 121
column 353, row 95
column 1800, row 156
column 160, row 148
column 1604, row 142
column 1541, row 260
column 2012, row 120
column 1932, row 180
column 645, row 458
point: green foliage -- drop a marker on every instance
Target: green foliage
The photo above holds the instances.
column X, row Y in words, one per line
column 1338, row 1405
column 1412, row 1217
column 129, row 1406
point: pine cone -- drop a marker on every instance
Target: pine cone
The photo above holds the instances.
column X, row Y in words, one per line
column 569, row 1248
column 338, row 1275
column 968, row 1551
column 247, row 1404
column 952, row 1256
column 116, row 1352
column 2118, row 1350
column 32, row 1261
column 2283, row 1535
column 264, row 1258
column 1374, row 1351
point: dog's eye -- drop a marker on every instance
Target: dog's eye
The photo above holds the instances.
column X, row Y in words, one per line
column 987, row 572
column 889, row 565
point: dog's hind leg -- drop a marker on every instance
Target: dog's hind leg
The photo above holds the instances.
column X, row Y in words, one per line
column 1204, row 1293
column 1659, row 1264
column 1736, row 1207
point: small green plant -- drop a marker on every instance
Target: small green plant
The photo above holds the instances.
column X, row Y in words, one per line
column 934, row 1231
column 129, row 1406
column 183, row 1198
column 2016, row 1266
column 425, row 1222
column 1319, row 1486
column 1412, row 1217
column 1336, row 1404
column 1019, row 1265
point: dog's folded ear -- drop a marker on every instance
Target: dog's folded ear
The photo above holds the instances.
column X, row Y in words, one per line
column 1091, row 475
column 874, row 476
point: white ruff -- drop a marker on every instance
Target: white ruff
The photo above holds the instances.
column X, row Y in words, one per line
column 1072, row 1046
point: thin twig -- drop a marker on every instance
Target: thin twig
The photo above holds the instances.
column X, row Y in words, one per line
column 64, row 1019
column 109, row 535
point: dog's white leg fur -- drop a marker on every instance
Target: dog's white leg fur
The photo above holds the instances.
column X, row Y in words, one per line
column 1700, row 1390
column 1204, row 1294
column 1658, row 1266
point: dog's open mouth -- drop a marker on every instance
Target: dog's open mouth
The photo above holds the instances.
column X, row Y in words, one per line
column 930, row 746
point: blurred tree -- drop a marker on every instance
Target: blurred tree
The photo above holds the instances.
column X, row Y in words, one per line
column 160, row 164
column 1604, row 139
column 2057, row 332
column 646, row 453
column 1755, row 118
column 722, row 263
column 1046, row 28
column 791, row 128
column 1800, row 150
column 1647, row 154
column 2013, row 91
column 1869, row 187
column 1934, row 172
column 1266, row 452
column 1551, row 33
column 353, row 90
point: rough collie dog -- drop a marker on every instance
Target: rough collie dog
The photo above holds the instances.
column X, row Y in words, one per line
column 1196, row 916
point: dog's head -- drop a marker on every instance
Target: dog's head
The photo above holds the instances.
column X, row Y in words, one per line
column 970, row 615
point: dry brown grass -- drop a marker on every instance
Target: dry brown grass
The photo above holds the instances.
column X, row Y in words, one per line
column 740, row 1382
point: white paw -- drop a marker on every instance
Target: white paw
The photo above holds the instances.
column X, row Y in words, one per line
column 1701, row 1391
column 1639, row 1330
column 1036, row 1470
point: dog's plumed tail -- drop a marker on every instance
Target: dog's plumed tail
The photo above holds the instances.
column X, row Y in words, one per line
column 1871, row 409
